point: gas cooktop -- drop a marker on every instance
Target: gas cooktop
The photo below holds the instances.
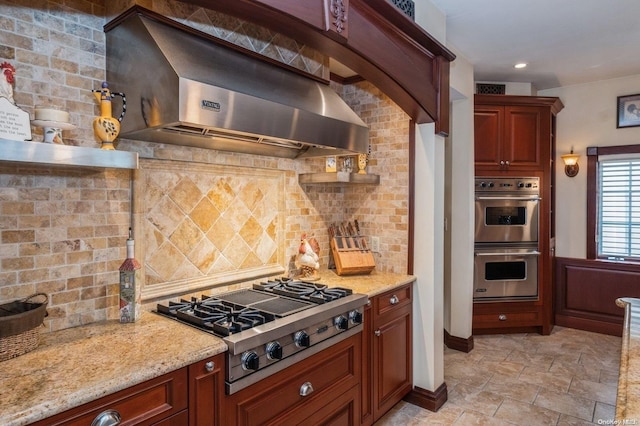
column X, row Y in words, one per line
column 228, row 313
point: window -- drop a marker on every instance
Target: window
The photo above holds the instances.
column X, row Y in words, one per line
column 613, row 203
column 619, row 209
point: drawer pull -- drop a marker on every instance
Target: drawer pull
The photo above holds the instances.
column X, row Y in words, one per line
column 502, row 317
column 394, row 300
column 306, row 389
column 107, row 418
column 210, row 366
column 377, row 333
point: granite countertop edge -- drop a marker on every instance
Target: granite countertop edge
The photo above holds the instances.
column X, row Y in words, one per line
column 37, row 385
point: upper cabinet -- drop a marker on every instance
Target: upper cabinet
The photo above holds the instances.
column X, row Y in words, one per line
column 513, row 133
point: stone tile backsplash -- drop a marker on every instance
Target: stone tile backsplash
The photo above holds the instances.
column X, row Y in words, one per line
column 63, row 230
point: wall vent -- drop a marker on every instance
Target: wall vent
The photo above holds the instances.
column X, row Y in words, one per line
column 407, row 6
column 490, row 89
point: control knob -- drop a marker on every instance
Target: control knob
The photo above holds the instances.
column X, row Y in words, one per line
column 490, row 185
column 520, row 184
column 301, row 339
column 250, row 361
column 483, row 184
column 355, row 317
column 341, row 322
column 274, row 350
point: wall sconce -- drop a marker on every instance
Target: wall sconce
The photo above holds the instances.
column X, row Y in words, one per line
column 571, row 167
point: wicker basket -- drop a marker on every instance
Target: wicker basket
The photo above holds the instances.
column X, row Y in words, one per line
column 18, row 325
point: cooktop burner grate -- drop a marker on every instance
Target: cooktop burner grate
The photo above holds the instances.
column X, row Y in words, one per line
column 228, row 313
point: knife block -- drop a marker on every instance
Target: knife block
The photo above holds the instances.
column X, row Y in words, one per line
column 350, row 256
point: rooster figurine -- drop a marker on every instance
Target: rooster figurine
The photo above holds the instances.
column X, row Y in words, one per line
column 6, row 83
column 307, row 259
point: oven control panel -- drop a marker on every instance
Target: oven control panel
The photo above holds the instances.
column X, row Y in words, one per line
column 530, row 185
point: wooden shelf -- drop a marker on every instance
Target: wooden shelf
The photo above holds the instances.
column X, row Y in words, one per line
column 338, row 177
column 54, row 155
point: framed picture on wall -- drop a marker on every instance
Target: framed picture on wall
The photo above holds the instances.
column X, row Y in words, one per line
column 628, row 111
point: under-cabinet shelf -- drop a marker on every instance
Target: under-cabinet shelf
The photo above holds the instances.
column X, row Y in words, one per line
column 338, row 177
column 55, row 155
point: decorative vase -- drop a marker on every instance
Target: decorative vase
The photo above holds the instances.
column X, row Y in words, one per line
column 362, row 164
column 105, row 127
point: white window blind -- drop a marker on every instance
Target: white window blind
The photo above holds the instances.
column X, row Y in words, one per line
column 619, row 209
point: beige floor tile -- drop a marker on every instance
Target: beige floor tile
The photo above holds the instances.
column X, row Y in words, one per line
column 567, row 378
column 503, row 368
column 565, row 403
column 605, row 413
column 471, row 418
column 522, row 413
column 534, row 360
column 512, row 388
column 468, row 374
column 600, row 392
column 574, row 369
column 572, row 421
column 477, row 399
column 548, row 380
column 608, row 376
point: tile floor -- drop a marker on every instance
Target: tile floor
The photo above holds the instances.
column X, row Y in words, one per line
column 567, row 378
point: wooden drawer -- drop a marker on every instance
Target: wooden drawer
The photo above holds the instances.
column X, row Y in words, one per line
column 391, row 304
column 507, row 319
column 145, row 404
column 276, row 399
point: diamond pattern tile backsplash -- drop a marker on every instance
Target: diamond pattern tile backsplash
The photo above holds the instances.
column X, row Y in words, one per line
column 199, row 223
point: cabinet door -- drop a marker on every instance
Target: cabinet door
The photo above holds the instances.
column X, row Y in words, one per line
column 206, row 387
column 524, row 138
column 391, row 363
column 488, row 128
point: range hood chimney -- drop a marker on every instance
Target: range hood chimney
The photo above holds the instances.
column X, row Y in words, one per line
column 184, row 89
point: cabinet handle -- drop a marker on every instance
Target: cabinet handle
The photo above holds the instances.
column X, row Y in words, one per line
column 306, row 389
column 394, row 300
column 210, row 366
column 368, row 302
column 377, row 333
column 501, row 162
column 107, row 418
column 507, row 163
column 502, row 317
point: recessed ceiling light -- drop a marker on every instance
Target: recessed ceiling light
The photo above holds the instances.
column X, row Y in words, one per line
column 520, row 65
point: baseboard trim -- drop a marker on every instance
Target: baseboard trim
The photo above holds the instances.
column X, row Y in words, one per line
column 426, row 399
column 458, row 343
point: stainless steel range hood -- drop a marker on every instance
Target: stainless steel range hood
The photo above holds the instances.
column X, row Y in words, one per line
column 186, row 90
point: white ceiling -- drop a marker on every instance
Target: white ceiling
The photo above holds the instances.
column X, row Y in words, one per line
column 564, row 42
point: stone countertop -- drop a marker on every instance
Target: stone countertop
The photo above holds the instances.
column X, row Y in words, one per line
column 371, row 285
column 628, row 400
column 78, row 365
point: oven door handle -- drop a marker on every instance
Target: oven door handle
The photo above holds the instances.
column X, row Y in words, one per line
column 528, row 253
column 509, row 198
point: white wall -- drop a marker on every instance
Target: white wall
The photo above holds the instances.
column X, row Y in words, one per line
column 428, row 328
column 459, row 208
column 588, row 119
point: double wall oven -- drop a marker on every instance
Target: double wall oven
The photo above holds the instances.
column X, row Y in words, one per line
column 506, row 239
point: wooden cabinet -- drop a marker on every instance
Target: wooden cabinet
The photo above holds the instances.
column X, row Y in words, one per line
column 510, row 137
column 322, row 389
column 206, row 390
column 515, row 136
column 160, row 401
column 388, row 329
